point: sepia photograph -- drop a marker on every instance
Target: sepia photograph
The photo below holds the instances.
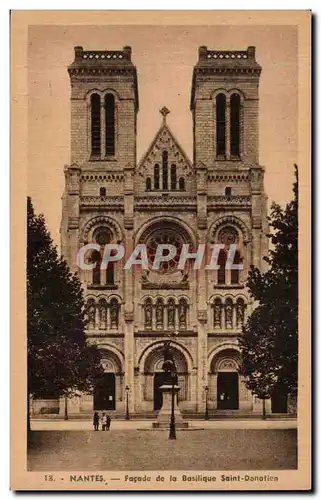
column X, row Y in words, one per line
column 164, row 181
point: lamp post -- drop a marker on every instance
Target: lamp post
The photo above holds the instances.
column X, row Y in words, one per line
column 127, row 408
column 172, row 430
column 206, row 403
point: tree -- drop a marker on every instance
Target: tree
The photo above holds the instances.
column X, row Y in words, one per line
column 269, row 340
column 60, row 361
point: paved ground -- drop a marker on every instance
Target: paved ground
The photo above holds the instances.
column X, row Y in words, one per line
column 210, row 449
column 86, row 425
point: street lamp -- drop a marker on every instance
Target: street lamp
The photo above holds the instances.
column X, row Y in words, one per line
column 206, row 403
column 127, row 409
column 172, row 431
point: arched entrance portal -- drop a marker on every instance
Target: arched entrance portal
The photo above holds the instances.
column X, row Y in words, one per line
column 224, row 367
column 227, row 391
column 105, row 392
column 109, row 383
column 153, row 375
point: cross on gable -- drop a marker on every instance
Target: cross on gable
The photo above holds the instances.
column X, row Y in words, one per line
column 164, row 111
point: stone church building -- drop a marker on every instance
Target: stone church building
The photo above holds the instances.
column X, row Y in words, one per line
column 111, row 196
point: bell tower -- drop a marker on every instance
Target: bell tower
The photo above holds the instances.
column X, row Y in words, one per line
column 225, row 107
column 104, row 105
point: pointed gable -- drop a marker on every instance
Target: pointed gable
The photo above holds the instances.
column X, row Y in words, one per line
column 165, row 141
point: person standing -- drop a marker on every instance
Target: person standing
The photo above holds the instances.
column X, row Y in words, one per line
column 96, row 421
column 108, row 421
column 103, row 422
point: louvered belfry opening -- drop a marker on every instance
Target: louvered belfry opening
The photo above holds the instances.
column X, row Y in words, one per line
column 235, row 124
column 220, row 125
column 95, row 125
column 110, row 124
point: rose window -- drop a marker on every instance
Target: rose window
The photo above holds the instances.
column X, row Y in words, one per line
column 228, row 236
column 102, row 236
column 164, row 237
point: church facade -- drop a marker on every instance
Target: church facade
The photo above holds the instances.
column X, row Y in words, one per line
column 166, row 198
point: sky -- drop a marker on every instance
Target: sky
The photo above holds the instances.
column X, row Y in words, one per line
column 164, row 57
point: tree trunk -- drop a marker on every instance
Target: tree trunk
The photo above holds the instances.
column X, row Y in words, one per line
column 28, row 412
column 66, row 408
column 264, row 410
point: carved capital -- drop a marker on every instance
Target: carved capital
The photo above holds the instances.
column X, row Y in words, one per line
column 202, row 316
column 128, row 222
column 129, row 316
column 202, row 222
column 73, row 223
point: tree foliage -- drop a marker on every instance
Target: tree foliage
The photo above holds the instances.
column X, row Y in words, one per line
column 269, row 341
column 60, row 361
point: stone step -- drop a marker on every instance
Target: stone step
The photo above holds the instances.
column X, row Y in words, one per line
column 213, row 415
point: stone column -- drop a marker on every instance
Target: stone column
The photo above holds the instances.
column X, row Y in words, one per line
column 128, row 284
column 97, row 325
column 213, row 391
column 201, row 359
column 73, row 203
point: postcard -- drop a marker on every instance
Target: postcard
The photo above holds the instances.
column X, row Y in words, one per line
column 160, row 210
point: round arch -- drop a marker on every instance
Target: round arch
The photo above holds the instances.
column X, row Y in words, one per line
column 152, row 224
column 113, row 355
column 230, row 220
column 216, row 92
column 157, row 346
column 154, row 361
column 102, row 220
column 228, row 93
column 101, row 93
column 216, row 351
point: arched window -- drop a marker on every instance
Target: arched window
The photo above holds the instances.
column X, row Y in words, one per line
column 159, row 314
column 221, row 275
column 91, row 313
column 181, row 184
column 228, row 191
column 148, row 314
column 240, row 313
column 235, row 273
column 148, row 184
column 110, row 273
column 235, row 124
column 220, row 124
column 173, row 177
column 102, row 308
column 171, row 313
column 114, row 313
column 95, row 258
column 228, row 313
column 165, row 169
column 156, row 176
column 103, row 236
column 218, row 313
column 102, row 191
column 95, row 125
column 182, row 314
column 110, row 124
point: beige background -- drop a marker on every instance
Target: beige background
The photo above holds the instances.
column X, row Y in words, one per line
column 164, row 55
